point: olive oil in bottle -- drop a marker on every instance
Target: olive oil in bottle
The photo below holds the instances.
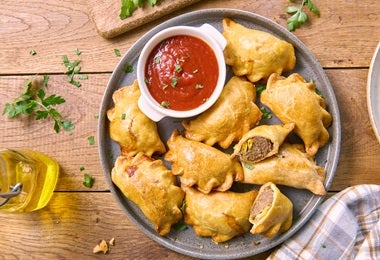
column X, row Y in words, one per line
column 27, row 180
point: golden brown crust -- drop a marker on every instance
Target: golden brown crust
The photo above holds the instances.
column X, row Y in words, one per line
column 201, row 165
column 221, row 215
column 293, row 100
column 152, row 187
column 254, row 53
column 134, row 131
column 229, row 118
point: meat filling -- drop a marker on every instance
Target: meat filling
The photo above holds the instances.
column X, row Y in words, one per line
column 264, row 199
column 255, row 149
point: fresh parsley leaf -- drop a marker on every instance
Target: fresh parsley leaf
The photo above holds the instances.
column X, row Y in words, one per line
column 266, row 114
column 129, row 6
column 91, row 140
column 77, row 51
column 32, row 52
column 72, row 69
column 88, row 180
column 117, row 52
column 298, row 16
column 128, row 68
column 33, row 101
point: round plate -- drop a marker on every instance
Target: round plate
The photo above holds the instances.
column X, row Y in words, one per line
column 373, row 92
column 304, row 202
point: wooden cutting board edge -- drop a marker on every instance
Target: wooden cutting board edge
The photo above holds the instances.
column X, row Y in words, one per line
column 105, row 15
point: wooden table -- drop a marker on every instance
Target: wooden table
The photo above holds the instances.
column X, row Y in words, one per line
column 343, row 39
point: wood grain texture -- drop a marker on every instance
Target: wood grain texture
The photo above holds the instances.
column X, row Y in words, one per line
column 54, row 28
column 343, row 39
column 105, row 15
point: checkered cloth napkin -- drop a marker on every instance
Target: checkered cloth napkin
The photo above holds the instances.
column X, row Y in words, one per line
column 346, row 226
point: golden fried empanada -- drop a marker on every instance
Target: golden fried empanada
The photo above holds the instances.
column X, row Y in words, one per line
column 261, row 142
column 152, row 187
column 293, row 100
column 201, row 165
column 233, row 114
column 291, row 166
column 221, row 215
column 254, row 53
column 130, row 127
column 271, row 212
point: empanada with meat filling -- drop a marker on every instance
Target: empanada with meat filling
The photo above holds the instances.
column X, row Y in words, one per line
column 152, row 187
column 261, row 142
column 271, row 212
column 233, row 114
column 201, row 165
column 220, row 215
column 254, row 53
column 291, row 166
column 130, row 127
column 293, row 100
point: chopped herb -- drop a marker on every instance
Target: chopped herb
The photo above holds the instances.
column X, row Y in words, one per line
column 77, row 51
column 180, row 226
column 146, row 80
column 260, row 88
column 91, row 140
column 81, row 168
column 165, row 104
column 110, row 154
column 157, row 59
column 174, row 82
column 45, row 80
column 72, row 68
column 129, row 6
column 122, row 117
column 266, row 114
column 199, row 86
column 88, row 180
column 32, row 52
column 323, row 246
column 117, row 52
column 33, row 100
column 128, row 69
column 248, row 166
column 96, row 116
column 299, row 17
column 178, row 68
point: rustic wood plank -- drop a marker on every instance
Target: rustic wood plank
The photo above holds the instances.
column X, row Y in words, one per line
column 55, row 28
column 105, row 15
column 71, row 225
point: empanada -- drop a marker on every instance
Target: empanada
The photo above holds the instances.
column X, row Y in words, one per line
column 201, row 165
column 229, row 118
column 152, row 187
column 271, row 212
column 254, row 53
column 293, row 100
column 261, row 142
column 130, row 127
column 291, row 166
column 221, row 215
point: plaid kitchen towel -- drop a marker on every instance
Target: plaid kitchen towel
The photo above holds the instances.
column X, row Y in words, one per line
column 346, row 226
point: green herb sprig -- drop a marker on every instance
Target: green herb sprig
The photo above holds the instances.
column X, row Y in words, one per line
column 299, row 17
column 129, row 6
column 33, row 100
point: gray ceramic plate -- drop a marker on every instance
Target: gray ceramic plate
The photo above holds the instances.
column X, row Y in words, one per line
column 305, row 203
column 373, row 92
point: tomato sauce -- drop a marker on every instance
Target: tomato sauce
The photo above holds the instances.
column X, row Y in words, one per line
column 181, row 72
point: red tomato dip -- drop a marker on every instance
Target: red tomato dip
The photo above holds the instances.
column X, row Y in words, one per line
column 181, row 72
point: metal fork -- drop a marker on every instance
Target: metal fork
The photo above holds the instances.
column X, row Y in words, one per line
column 15, row 190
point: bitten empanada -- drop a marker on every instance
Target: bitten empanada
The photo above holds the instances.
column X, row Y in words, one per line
column 293, row 100
column 271, row 212
column 254, row 53
column 229, row 118
column 201, row 165
column 221, row 215
column 130, row 127
column 291, row 166
column 152, row 187
column 261, row 142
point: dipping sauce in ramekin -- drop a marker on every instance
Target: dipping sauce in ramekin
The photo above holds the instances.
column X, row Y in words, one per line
column 181, row 72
